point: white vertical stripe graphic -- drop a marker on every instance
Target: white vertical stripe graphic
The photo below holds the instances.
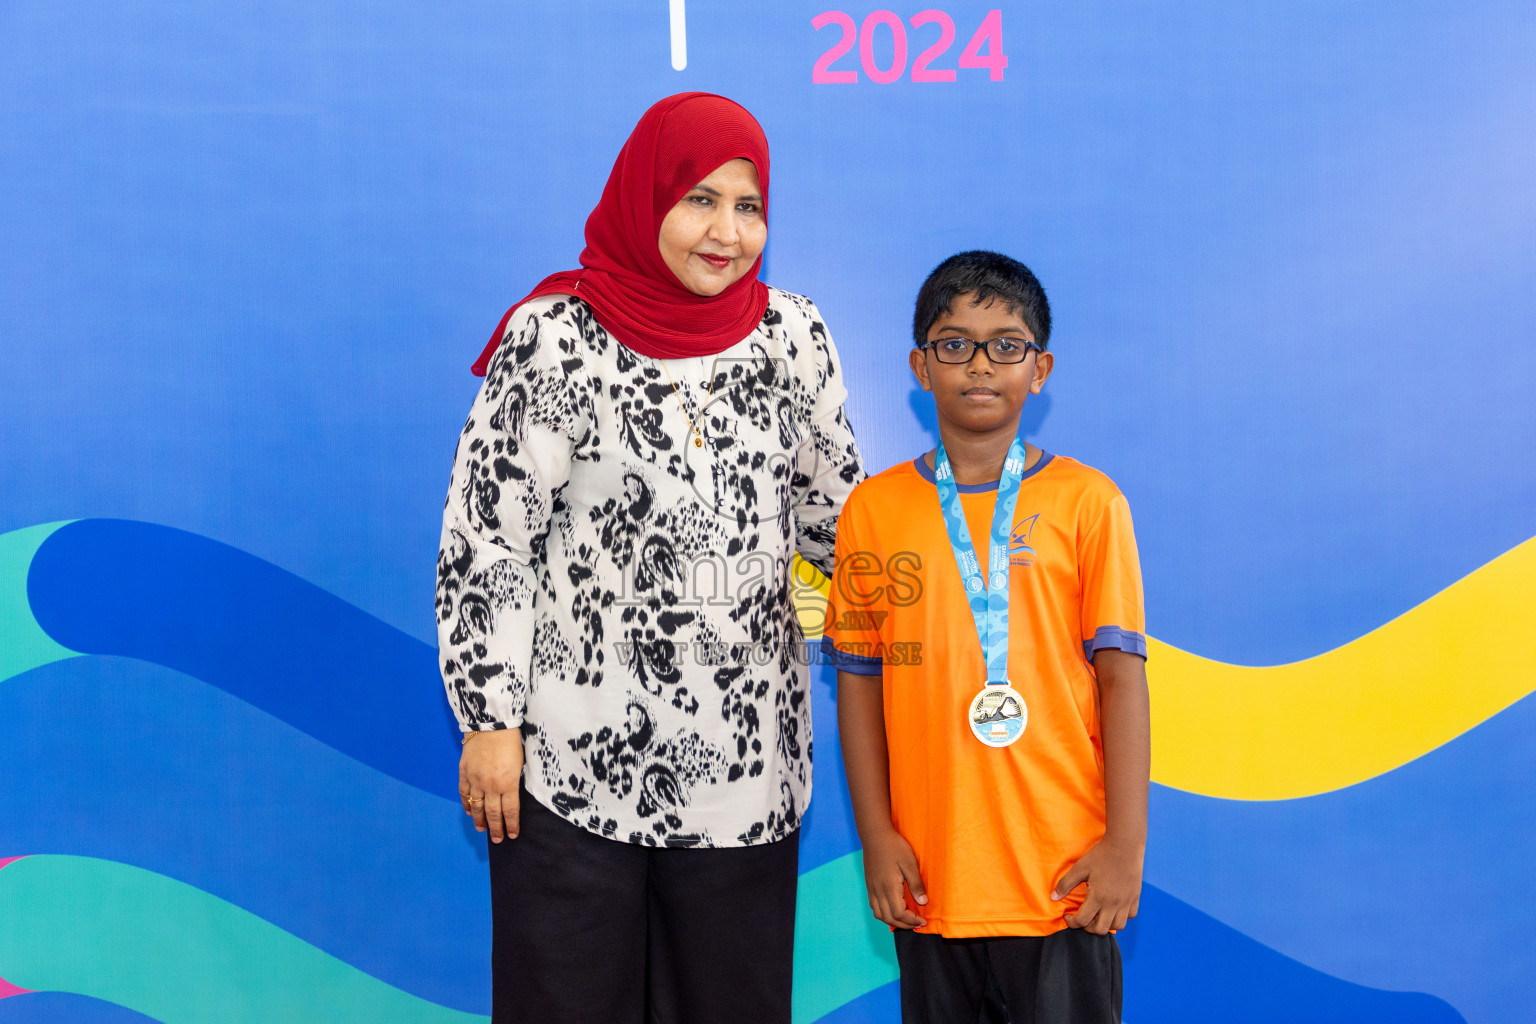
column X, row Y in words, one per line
column 679, row 35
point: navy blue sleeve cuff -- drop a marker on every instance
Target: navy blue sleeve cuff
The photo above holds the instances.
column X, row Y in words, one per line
column 858, row 664
column 1113, row 636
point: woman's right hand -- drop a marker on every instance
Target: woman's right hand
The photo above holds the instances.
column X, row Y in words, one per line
column 490, row 767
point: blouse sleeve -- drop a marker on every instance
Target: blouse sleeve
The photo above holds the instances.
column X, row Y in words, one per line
column 513, row 459
column 827, row 465
column 851, row 640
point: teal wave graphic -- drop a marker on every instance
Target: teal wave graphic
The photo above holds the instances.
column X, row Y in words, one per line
column 174, row 953
column 26, row 645
column 841, row 951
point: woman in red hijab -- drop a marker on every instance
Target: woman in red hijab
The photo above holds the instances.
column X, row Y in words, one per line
column 658, row 434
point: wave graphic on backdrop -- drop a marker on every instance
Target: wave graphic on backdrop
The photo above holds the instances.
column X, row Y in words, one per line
column 26, row 645
column 1279, row 732
column 307, row 867
column 176, row 954
column 200, row 786
column 106, row 586
column 1219, row 974
column 66, row 1008
column 1318, row 725
column 1454, row 828
column 117, row 587
column 209, row 612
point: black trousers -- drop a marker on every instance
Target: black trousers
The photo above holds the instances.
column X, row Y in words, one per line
column 587, row 930
column 1071, row 977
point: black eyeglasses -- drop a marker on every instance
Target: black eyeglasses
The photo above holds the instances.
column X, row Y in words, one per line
column 963, row 350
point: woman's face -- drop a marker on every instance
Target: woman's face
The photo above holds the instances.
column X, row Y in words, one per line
column 715, row 232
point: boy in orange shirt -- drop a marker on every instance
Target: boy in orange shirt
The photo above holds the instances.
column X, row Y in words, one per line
column 986, row 620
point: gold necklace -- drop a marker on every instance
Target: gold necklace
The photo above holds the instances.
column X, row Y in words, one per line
column 698, row 439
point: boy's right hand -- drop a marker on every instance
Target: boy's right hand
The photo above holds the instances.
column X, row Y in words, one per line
column 889, row 866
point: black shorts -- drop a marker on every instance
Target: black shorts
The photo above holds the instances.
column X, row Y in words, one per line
column 589, row 929
column 1071, row 977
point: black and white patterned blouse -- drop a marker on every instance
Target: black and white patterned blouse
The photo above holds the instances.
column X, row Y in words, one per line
column 621, row 592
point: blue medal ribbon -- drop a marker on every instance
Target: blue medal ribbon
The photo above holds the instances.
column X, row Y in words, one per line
column 987, row 596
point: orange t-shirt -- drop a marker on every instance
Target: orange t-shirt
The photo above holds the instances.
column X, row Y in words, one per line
column 993, row 828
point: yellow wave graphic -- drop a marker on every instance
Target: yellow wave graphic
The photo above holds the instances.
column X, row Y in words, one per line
column 1285, row 731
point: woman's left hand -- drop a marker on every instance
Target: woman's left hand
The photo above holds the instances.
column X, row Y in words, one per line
column 490, row 768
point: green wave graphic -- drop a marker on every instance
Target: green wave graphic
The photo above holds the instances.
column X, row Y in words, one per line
column 841, row 951
column 23, row 644
column 173, row 952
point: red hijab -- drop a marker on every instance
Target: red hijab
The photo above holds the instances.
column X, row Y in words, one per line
column 678, row 143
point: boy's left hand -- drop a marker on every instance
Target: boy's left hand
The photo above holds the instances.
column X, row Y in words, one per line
column 1113, row 873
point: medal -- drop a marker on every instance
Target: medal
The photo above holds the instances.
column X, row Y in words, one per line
column 997, row 715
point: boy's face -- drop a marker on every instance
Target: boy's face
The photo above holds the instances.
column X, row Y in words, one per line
column 980, row 397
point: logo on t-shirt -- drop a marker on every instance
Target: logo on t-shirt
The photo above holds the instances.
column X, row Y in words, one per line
column 1019, row 551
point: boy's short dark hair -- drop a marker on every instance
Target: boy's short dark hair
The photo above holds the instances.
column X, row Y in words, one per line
column 989, row 275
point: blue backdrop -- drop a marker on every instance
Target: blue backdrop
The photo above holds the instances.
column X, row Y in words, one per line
column 248, row 251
